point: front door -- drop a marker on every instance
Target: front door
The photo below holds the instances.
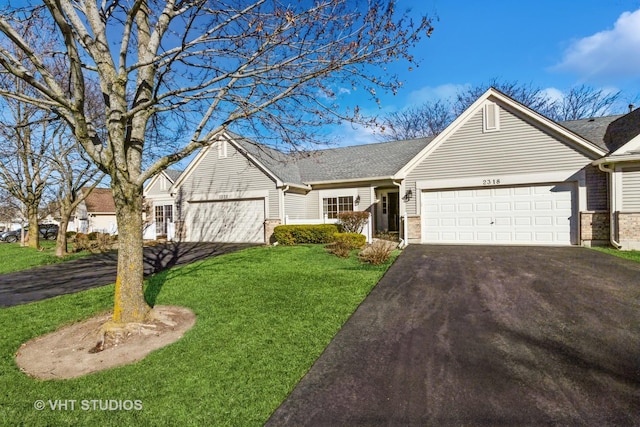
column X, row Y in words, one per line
column 393, row 209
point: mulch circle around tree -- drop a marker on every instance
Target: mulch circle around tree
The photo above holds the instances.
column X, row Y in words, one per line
column 70, row 351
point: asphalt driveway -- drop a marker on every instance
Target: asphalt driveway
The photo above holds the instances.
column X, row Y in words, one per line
column 98, row 270
column 483, row 336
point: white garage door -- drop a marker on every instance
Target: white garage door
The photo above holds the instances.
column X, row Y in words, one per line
column 226, row 221
column 541, row 214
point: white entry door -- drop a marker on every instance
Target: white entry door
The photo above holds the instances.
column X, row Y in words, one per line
column 226, row 221
column 540, row 214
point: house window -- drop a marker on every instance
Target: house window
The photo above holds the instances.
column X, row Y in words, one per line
column 491, row 117
column 332, row 206
column 164, row 216
column 384, row 205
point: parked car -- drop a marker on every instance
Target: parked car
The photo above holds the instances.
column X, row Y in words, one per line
column 47, row 232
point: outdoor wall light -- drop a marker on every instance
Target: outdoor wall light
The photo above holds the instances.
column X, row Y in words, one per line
column 357, row 201
column 408, row 195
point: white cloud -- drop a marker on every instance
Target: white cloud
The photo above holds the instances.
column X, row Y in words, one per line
column 553, row 94
column 612, row 53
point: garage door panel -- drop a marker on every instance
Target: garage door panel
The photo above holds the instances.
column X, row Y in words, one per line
column 227, row 221
column 525, row 215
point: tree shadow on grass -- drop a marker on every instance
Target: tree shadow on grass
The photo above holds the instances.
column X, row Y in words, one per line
column 159, row 260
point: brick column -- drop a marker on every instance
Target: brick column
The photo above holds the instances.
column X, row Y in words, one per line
column 594, row 228
column 414, row 229
column 269, row 226
column 629, row 230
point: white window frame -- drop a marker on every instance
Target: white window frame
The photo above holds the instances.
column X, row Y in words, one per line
column 326, row 194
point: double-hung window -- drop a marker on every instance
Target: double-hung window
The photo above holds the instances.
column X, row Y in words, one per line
column 332, row 206
column 164, row 215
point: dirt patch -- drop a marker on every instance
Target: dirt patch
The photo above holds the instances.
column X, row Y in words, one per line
column 66, row 353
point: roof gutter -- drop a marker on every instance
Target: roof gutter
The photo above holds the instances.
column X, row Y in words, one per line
column 617, row 159
column 604, row 167
column 335, row 181
column 287, row 185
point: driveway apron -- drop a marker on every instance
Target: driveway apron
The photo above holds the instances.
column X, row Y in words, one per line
column 471, row 335
column 98, row 270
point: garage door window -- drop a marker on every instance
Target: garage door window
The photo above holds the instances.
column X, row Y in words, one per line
column 332, row 206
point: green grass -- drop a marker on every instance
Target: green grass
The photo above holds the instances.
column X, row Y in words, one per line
column 14, row 257
column 632, row 255
column 264, row 315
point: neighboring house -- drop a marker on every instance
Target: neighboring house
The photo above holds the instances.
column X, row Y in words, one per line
column 160, row 221
column 96, row 213
column 499, row 174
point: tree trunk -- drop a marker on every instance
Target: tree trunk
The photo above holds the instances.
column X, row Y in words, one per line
column 61, row 241
column 34, row 234
column 129, row 302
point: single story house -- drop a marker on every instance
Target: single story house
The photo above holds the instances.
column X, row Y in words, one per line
column 96, row 213
column 500, row 173
column 159, row 221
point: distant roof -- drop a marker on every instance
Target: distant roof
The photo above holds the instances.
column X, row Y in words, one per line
column 100, row 200
column 173, row 174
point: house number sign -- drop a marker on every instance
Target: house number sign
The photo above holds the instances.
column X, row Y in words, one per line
column 491, row 181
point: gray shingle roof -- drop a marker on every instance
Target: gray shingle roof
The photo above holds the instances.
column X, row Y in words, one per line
column 342, row 163
column 173, row 174
column 592, row 129
column 282, row 165
column 382, row 159
column 385, row 159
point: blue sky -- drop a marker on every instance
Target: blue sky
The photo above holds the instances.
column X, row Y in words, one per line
column 550, row 44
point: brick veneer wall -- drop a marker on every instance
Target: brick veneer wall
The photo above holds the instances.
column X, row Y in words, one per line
column 629, row 230
column 594, row 228
column 414, row 227
column 269, row 226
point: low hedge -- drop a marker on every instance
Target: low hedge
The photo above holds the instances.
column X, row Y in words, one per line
column 350, row 240
column 306, row 233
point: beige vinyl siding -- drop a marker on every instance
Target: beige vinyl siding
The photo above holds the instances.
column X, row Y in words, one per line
column 156, row 188
column 295, row 206
column 312, row 208
column 365, row 194
column 517, row 148
column 231, row 174
column 631, row 189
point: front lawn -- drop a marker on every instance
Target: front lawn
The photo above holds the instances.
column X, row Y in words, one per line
column 264, row 315
column 14, row 257
column 632, row 255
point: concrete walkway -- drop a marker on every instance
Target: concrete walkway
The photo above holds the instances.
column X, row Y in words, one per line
column 98, row 270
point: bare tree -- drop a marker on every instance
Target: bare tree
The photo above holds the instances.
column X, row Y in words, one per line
column 73, row 172
column 199, row 67
column 428, row 119
column 527, row 94
column 431, row 118
column 25, row 165
column 583, row 102
column 9, row 207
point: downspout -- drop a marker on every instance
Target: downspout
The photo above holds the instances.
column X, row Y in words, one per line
column 284, row 204
column 404, row 241
column 612, row 208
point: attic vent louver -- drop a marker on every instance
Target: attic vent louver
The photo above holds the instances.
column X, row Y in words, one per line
column 491, row 117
